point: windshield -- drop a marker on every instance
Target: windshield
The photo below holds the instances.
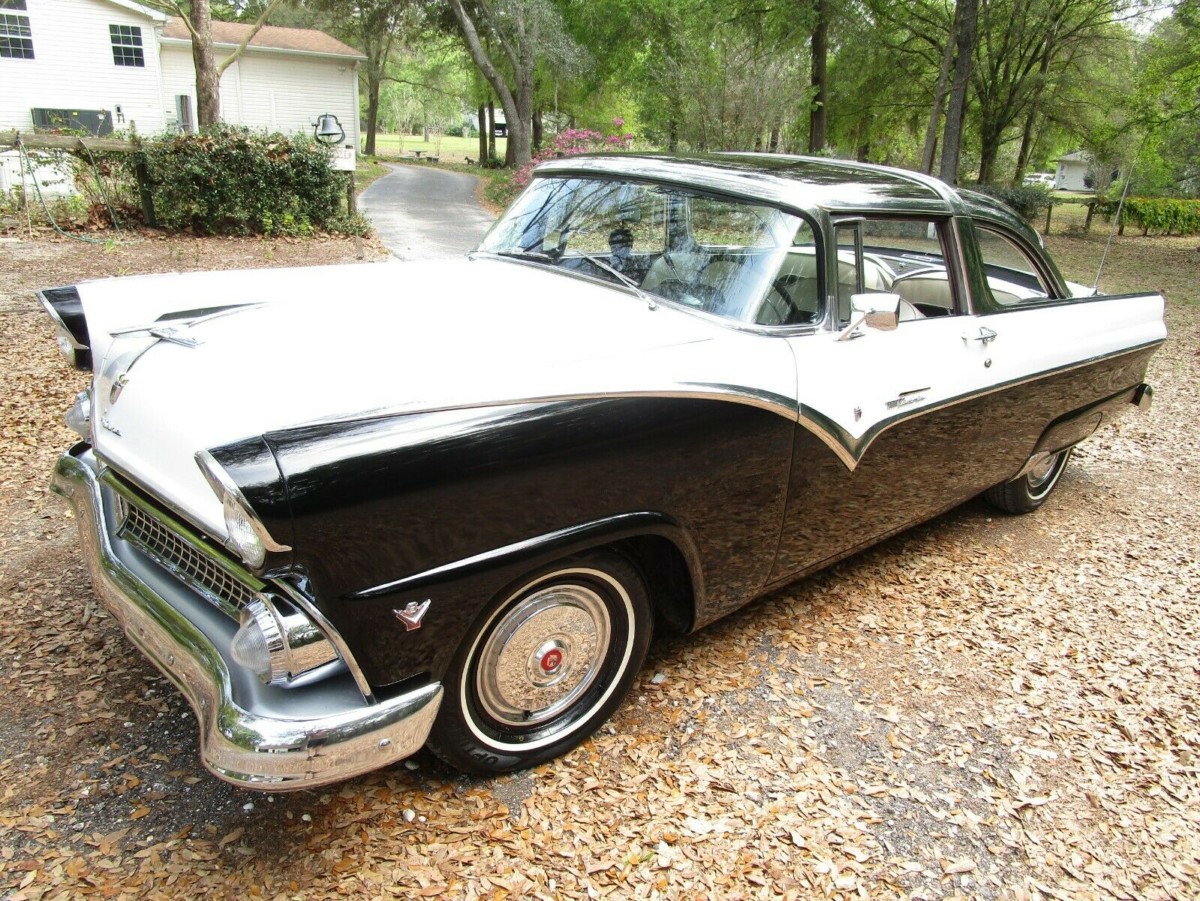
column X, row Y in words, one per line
column 747, row 262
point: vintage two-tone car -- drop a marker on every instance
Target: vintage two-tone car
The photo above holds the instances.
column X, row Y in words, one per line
column 352, row 511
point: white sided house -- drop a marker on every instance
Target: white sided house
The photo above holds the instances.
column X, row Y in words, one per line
column 112, row 65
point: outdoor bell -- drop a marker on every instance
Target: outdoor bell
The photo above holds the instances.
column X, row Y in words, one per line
column 328, row 129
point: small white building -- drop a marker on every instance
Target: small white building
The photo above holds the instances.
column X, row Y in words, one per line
column 105, row 65
column 1074, row 172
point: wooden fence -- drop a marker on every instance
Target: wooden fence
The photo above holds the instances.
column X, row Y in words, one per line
column 84, row 146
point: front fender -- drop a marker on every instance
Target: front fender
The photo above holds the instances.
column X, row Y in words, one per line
column 452, row 506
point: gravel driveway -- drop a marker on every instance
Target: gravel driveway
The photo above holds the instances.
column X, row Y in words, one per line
column 984, row 706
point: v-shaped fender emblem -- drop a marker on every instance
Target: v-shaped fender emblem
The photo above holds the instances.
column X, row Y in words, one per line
column 413, row 613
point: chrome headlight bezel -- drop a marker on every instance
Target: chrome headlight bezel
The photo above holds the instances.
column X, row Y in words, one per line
column 246, row 536
column 74, row 349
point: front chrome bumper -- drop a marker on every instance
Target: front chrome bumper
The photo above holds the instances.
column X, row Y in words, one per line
column 254, row 736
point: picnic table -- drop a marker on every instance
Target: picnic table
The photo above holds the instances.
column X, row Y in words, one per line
column 417, row 153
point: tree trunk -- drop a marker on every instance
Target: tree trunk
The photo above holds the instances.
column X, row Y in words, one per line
column 939, row 98
column 483, row 135
column 820, row 53
column 968, row 16
column 1026, row 147
column 208, row 73
column 773, row 143
column 518, row 110
column 491, row 136
column 208, row 79
column 672, row 135
column 519, row 150
column 989, row 149
column 1035, row 103
column 537, row 130
column 373, row 84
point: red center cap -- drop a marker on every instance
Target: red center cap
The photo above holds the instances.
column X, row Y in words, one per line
column 551, row 660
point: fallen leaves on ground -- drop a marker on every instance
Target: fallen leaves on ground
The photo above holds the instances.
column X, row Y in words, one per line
column 984, row 706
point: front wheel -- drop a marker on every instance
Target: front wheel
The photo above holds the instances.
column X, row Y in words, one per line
column 545, row 665
column 1028, row 492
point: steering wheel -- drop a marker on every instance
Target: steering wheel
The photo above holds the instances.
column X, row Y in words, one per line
column 693, row 294
column 779, row 306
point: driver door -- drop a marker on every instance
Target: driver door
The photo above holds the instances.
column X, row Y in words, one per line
column 885, row 439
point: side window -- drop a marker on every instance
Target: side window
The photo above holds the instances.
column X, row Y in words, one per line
column 16, row 38
column 1012, row 277
column 127, row 45
column 793, row 296
column 895, row 256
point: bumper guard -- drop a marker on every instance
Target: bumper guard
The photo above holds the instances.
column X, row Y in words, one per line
column 258, row 745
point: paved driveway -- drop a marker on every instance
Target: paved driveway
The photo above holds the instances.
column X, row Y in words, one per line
column 423, row 213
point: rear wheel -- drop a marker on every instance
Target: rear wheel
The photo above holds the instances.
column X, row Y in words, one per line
column 1028, row 492
column 545, row 666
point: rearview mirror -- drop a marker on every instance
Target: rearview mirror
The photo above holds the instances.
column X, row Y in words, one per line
column 878, row 311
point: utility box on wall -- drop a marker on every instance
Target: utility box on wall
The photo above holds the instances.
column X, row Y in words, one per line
column 96, row 122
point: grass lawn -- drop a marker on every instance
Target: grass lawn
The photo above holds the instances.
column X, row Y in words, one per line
column 447, row 148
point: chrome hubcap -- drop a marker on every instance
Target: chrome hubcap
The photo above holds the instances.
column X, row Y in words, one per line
column 543, row 655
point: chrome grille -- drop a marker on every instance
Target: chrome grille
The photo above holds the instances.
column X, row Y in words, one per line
column 187, row 562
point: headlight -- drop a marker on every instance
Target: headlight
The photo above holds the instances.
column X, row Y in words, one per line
column 245, row 535
column 240, row 529
column 281, row 645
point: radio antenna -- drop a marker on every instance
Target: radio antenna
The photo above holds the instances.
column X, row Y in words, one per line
column 1112, row 231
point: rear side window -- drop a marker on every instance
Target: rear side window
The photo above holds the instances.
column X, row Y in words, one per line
column 1012, row 275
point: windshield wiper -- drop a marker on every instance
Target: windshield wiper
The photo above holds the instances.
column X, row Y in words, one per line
column 621, row 277
column 535, row 255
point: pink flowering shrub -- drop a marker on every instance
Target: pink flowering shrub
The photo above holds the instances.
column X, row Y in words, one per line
column 571, row 142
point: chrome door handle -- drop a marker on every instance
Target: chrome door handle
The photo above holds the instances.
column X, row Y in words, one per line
column 985, row 335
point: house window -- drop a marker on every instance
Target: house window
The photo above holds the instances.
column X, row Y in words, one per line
column 16, row 38
column 127, row 45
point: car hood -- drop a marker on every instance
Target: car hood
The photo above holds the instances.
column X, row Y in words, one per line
column 254, row 352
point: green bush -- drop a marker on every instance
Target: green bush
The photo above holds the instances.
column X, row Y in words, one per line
column 230, row 180
column 1166, row 215
column 1027, row 201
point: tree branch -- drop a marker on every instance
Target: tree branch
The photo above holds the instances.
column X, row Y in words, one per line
column 262, row 20
column 172, row 8
column 418, row 84
column 482, row 60
column 494, row 27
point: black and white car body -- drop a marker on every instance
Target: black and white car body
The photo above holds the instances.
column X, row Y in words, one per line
column 450, row 506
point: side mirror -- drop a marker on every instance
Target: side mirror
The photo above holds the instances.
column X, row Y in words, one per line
column 877, row 311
